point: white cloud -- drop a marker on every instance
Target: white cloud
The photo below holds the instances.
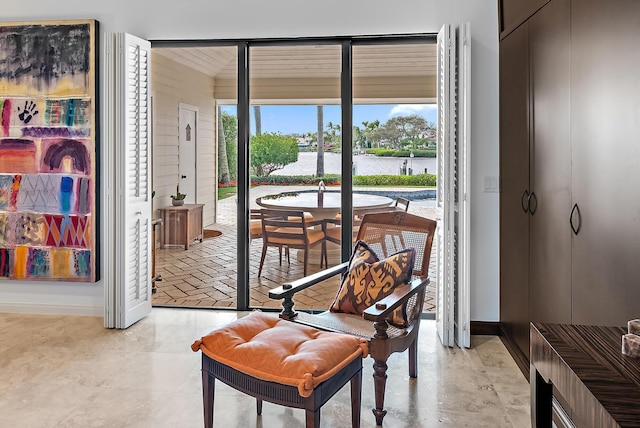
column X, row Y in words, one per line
column 409, row 109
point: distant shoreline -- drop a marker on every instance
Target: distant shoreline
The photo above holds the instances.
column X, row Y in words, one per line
column 363, row 165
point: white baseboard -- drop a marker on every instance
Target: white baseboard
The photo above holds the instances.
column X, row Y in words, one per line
column 51, row 309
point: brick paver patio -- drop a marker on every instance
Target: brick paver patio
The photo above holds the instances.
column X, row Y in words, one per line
column 205, row 274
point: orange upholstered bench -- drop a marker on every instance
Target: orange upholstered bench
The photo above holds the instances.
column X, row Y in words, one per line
column 283, row 363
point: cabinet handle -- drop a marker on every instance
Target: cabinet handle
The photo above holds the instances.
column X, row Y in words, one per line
column 575, row 209
column 526, row 196
column 533, row 208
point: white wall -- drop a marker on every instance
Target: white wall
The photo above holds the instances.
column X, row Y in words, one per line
column 198, row 19
column 172, row 84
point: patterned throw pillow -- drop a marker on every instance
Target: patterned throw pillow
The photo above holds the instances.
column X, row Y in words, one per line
column 370, row 279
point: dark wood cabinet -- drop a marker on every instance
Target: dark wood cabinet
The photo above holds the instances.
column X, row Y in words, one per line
column 605, row 129
column 550, row 169
column 514, row 187
column 514, row 12
column 535, row 171
column 570, row 167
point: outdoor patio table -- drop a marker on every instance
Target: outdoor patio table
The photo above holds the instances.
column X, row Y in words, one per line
column 324, row 206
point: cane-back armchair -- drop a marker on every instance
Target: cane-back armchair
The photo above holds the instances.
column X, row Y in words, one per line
column 386, row 234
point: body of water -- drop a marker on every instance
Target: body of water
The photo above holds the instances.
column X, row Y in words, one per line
column 364, row 165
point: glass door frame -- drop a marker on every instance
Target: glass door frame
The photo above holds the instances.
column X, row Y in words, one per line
column 243, row 114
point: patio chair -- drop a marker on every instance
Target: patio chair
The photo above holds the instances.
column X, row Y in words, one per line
column 377, row 323
column 333, row 229
column 290, row 229
column 255, row 224
column 402, row 203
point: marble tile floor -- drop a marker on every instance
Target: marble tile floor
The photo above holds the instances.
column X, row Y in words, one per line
column 68, row 371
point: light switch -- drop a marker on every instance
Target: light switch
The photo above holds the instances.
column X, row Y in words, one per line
column 490, row 184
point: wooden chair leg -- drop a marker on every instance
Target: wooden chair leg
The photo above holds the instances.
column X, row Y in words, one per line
column 306, row 259
column 264, row 254
column 323, row 255
column 356, row 399
column 413, row 358
column 208, row 392
column 258, row 406
column 379, row 383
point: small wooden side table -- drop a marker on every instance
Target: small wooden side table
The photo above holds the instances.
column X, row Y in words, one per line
column 181, row 225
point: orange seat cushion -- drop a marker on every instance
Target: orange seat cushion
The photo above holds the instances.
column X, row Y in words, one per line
column 271, row 349
column 255, row 227
column 334, row 232
column 313, row 236
column 307, row 217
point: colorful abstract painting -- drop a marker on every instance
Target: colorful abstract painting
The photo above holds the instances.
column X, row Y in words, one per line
column 48, row 146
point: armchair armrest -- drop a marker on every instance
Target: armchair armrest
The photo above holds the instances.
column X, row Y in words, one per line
column 290, row 288
column 383, row 308
column 286, row 291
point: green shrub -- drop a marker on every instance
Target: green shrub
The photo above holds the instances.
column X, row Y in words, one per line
column 420, row 180
column 381, row 152
column 428, row 153
column 270, row 152
column 295, row 180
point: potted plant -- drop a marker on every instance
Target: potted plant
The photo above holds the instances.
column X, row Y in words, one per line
column 178, row 199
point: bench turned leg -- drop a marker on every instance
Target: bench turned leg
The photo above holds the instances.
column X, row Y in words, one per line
column 356, row 399
column 379, row 384
column 208, row 391
column 258, row 406
column 313, row 418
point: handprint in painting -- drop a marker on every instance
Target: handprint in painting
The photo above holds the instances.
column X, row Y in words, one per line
column 27, row 113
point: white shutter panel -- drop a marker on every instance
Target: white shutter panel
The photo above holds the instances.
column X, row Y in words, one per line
column 445, row 194
column 463, row 187
column 453, row 249
column 133, row 180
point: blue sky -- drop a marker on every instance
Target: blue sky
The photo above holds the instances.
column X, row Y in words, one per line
column 302, row 119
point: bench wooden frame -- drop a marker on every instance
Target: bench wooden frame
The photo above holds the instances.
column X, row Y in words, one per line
column 277, row 393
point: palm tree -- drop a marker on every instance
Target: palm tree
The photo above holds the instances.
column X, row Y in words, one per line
column 223, row 162
column 369, row 131
column 258, row 119
column 333, row 134
column 320, row 162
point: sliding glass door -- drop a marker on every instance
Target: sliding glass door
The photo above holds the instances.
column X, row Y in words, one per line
column 294, row 166
column 278, row 121
column 394, row 127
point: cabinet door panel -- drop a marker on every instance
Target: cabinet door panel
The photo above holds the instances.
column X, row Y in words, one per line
column 514, row 181
column 550, row 176
column 606, row 160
